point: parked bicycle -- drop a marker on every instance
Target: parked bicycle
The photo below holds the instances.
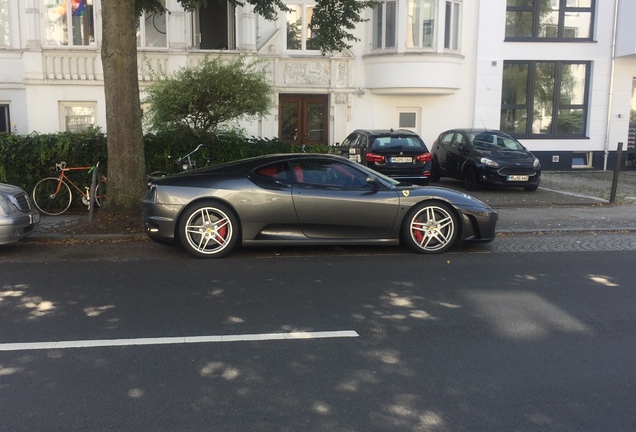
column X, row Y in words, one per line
column 52, row 195
column 184, row 163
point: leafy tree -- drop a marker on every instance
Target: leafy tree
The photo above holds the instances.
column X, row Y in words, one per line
column 200, row 99
column 332, row 21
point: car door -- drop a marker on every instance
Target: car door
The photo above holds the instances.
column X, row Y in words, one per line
column 457, row 154
column 333, row 200
column 441, row 149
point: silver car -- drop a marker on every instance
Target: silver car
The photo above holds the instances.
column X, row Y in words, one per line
column 293, row 199
column 17, row 215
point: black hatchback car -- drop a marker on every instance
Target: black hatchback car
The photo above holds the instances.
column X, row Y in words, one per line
column 484, row 157
column 399, row 154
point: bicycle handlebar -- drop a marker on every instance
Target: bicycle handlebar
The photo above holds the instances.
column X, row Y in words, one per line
column 191, row 153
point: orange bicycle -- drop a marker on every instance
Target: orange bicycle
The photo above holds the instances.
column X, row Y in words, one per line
column 52, row 195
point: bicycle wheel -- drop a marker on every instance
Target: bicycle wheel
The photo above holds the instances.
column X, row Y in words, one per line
column 100, row 193
column 48, row 199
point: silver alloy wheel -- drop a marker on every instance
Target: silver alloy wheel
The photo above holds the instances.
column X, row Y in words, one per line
column 207, row 231
column 432, row 228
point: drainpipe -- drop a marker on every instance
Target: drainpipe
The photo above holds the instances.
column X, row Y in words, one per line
column 611, row 94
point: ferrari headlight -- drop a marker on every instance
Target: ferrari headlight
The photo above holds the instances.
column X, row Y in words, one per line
column 488, row 162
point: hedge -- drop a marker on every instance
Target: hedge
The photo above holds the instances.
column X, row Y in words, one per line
column 25, row 159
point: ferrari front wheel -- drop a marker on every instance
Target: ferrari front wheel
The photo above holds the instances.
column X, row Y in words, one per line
column 430, row 228
column 208, row 230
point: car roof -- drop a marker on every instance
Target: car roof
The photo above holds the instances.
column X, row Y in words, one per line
column 401, row 132
column 247, row 164
column 263, row 159
column 478, row 130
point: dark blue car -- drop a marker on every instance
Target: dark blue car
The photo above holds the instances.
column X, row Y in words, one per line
column 484, row 157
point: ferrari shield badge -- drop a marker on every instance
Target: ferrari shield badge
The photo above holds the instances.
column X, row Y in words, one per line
column 405, row 193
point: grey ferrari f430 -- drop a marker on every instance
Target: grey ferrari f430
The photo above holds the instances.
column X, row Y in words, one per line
column 295, row 199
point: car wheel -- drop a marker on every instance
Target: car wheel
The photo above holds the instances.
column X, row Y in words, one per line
column 208, row 230
column 430, row 228
column 470, row 180
column 531, row 188
column 435, row 175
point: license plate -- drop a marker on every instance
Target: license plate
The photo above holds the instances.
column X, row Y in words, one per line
column 401, row 159
column 518, row 178
column 36, row 218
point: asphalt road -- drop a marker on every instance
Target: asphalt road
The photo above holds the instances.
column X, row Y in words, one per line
column 476, row 340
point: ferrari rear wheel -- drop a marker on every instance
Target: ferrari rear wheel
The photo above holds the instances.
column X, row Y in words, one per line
column 208, row 230
column 430, row 228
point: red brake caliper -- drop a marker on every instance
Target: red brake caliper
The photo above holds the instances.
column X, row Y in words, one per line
column 419, row 236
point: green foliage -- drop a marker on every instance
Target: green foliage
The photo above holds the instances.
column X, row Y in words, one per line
column 198, row 100
column 25, row 159
column 266, row 8
column 163, row 148
column 333, row 20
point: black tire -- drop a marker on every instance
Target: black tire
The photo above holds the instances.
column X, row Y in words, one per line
column 531, row 188
column 430, row 227
column 48, row 199
column 470, row 180
column 209, row 230
column 435, row 174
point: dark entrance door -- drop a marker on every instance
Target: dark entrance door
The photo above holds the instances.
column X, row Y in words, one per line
column 303, row 118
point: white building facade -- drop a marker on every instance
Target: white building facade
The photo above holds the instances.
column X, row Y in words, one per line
column 557, row 74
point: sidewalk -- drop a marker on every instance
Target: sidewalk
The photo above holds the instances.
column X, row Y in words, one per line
column 565, row 201
column 546, row 210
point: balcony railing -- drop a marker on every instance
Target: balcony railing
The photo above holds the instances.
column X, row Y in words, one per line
column 85, row 65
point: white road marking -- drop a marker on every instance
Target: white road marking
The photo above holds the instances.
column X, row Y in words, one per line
column 175, row 340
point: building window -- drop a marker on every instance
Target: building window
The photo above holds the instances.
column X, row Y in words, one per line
column 5, row 19
column 421, row 23
column 409, row 118
column 451, row 25
column 214, row 26
column 549, row 20
column 69, row 22
column 5, row 121
column 384, row 23
column 152, row 30
column 300, row 35
column 581, row 160
column 545, row 98
column 77, row 116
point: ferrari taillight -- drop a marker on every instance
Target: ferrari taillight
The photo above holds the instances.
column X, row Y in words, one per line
column 375, row 158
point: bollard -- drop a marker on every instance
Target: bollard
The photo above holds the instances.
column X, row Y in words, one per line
column 617, row 168
column 91, row 198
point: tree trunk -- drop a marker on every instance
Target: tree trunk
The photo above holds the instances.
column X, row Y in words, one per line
column 126, row 164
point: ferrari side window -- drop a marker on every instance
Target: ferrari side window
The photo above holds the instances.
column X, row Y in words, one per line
column 275, row 172
column 328, row 174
